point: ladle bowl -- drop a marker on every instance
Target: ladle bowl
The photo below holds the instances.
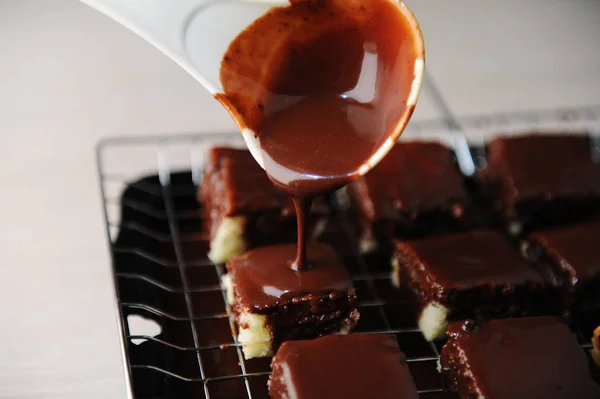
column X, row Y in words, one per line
column 196, row 34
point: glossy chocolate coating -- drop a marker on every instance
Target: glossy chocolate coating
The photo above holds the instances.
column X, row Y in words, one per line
column 289, row 77
column 575, row 251
column 415, row 177
column 415, row 191
column 235, row 185
column 568, row 257
column 465, row 261
column 474, row 274
column 560, row 186
column 296, row 78
column 568, row 171
column 263, row 279
column 298, row 305
column 352, row 366
column 522, row 358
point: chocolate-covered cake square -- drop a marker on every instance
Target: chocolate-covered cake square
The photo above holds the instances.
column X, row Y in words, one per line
column 521, row 358
column 416, row 190
column 475, row 275
column 569, row 257
column 242, row 208
column 354, row 366
column 537, row 181
column 273, row 303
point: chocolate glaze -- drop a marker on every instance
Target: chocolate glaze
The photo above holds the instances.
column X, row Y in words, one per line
column 467, row 260
column 262, row 280
column 416, row 190
column 302, row 206
column 536, row 357
column 477, row 275
column 568, row 257
column 563, row 186
column 234, row 184
column 316, row 302
column 350, row 366
column 414, row 177
column 290, row 78
column 574, row 249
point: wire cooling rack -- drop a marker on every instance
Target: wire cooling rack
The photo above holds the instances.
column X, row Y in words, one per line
column 163, row 277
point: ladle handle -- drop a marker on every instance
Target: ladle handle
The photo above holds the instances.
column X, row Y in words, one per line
column 159, row 22
column 173, row 26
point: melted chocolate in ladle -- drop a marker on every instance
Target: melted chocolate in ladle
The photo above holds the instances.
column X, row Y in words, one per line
column 326, row 86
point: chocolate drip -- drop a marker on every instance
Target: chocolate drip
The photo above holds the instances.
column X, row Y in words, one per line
column 302, row 206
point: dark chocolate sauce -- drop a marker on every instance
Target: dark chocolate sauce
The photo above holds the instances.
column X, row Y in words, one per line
column 520, row 358
column 322, row 84
column 414, row 178
column 261, row 280
column 302, row 206
column 574, row 249
column 468, row 260
column 337, row 366
column 567, row 170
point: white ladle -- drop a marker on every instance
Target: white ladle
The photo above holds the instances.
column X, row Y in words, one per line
column 196, row 33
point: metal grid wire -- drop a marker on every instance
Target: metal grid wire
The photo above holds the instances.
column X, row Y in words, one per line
column 362, row 276
column 161, row 271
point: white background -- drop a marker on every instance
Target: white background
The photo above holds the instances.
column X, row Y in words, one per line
column 69, row 76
